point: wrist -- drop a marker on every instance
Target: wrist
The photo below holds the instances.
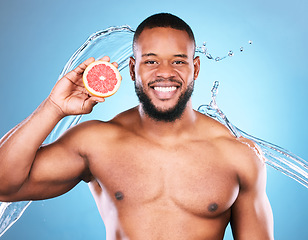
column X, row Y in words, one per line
column 54, row 108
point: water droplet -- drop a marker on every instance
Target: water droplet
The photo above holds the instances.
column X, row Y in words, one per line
column 204, row 44
column 230, row 53
column 214, row 89
column 217, row 59
column 241, row 49
column 250, row 41
column 209, row 56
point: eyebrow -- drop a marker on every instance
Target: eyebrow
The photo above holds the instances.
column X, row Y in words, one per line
column 148, row 54
column 153, row 54
column 181, row 55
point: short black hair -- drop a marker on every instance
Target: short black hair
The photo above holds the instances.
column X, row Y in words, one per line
column 163, row 20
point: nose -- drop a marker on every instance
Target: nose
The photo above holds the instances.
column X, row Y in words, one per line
column 165, row 70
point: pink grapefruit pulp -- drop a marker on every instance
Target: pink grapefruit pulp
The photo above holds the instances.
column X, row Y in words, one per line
column 102, row 79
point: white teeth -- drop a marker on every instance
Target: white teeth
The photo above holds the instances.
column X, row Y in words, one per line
column 165, row 89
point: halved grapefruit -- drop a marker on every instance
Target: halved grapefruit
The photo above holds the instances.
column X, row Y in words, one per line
column 102, row 79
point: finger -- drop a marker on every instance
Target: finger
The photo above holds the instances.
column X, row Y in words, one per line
column 88, row 104
column 81, row 67
column 97, row 99
column 90, row 97
column 74, row 75
column 115, row 64
column 105, row 58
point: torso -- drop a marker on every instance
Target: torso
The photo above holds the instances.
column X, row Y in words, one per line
column 150, row 190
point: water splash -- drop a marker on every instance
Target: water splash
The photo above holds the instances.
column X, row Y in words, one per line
column 204, row 50
column 275, row 156
column 116, row 42
column 10, row 213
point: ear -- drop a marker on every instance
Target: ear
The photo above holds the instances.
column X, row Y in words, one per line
column 132, row 68
column 196, row 67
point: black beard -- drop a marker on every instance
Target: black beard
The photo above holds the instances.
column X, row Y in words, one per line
column 169, row 115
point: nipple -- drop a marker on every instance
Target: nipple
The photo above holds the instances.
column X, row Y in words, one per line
column 212, row 207
column 119, row 195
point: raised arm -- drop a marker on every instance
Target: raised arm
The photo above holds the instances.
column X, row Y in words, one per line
column 25, row 166
column 251, row 214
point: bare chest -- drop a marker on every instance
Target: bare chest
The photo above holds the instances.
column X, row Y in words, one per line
column 193, row 178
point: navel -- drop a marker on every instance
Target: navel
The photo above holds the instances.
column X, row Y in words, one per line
column 212, row 207
column 119, row 195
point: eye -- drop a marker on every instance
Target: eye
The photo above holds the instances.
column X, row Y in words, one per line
column 150, row 62
column 179, row 62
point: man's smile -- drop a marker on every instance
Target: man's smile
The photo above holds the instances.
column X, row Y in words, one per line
column 165, row 90
column 165, row 93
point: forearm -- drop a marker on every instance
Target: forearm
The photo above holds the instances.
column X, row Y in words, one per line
column 19, row 146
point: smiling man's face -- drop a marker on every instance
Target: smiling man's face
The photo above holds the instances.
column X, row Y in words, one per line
column 164, row 70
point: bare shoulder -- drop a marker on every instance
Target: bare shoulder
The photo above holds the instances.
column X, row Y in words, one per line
column 90, row 133
column 242, row 154
column 250, row 162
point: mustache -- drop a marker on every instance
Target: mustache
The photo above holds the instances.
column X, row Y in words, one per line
column 159, row 80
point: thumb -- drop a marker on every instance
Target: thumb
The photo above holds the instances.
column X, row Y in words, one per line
column 90, row 103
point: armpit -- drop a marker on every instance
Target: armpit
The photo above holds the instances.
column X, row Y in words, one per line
column 87, row 176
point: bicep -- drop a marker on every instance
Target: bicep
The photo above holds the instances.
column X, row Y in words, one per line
column 251, row 214
column 57, row 168
column 251, row 218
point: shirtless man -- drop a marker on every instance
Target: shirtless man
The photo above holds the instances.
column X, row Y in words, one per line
column 160, row 170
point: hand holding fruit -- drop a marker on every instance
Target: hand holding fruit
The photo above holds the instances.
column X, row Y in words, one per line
column 70, row 95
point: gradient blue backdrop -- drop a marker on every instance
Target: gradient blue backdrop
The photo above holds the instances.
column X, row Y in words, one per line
column 263, row 89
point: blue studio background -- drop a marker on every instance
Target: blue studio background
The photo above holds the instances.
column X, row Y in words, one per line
column 262, row 90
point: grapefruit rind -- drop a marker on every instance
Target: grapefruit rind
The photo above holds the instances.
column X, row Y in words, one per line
column 94, row 92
